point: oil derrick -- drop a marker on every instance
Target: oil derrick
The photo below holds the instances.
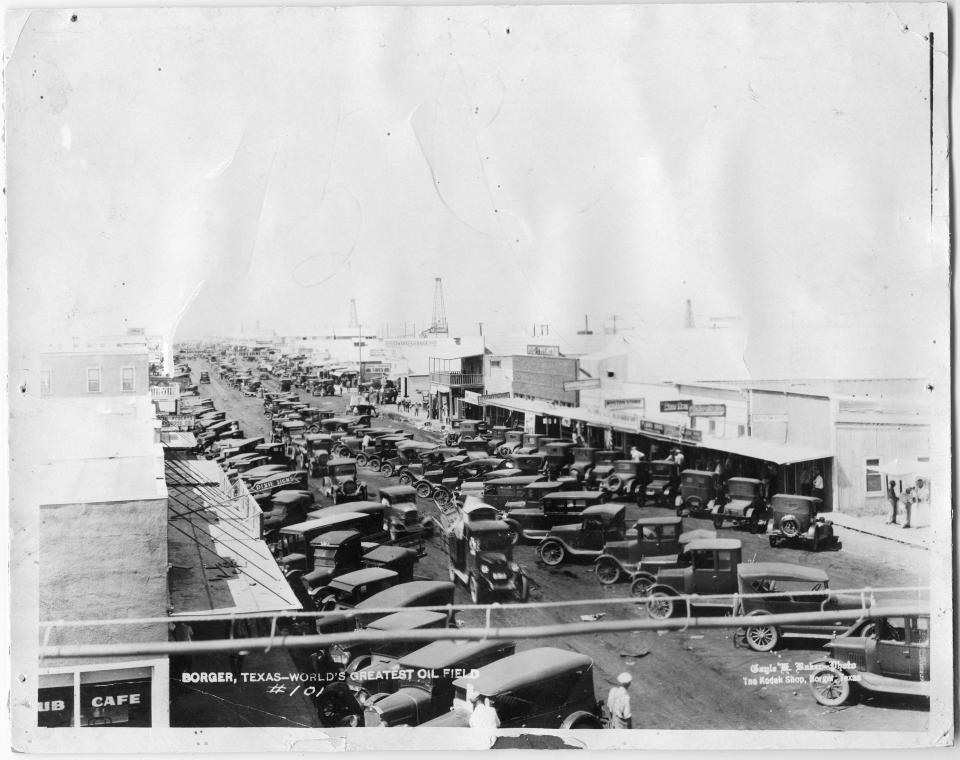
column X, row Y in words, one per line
column 438, row 323
column 354, row 322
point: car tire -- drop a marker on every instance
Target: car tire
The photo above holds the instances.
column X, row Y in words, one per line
column 607, row 572
column 641, row 586
column 585, row 723
column 790, row 528
column 361, row 460
column 830, row 686
column 373, row 463
column 523, row 592
column 386, row 469
column 405, row 478
column 514, row 531
column 442, row 496
column 552, row 553
column 660, row 606
column 476, row 593
column 763, row 637
column 424, row 490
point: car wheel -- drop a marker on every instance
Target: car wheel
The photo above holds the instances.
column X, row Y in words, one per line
column 424, row 490
column 442, row 496
column 386, row 469
column 608, row 572
column 405, row 478
column 552, row 553
column 660, row 606
column 361, row 460
column 523, row 589
column 373, row 463
column 762, row 638
column 830, row 686
column 585, row 723
column 475, row 594
column 641, row 586
column 514, row 532
column 790, row 528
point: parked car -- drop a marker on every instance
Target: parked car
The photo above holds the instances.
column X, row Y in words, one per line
column 584, row 460
column 603, row 464
column 585, row 539
column 535, row 688
column 401, row 518
column 408, row 464
column 348, row 590
column 480, row 555
column 529, row 463
column 411, row 594
column 426, row 690
column 555, row 509
column 335, row 552
column 254, row 474
column 626, row 479
column 513, row 440
column 792, row 585
column 657, row 543
column 345, row 486
column 662, row 482
column 521, row 491
column 707, row 566
column 400, row 559
column 558, row 457
column 892, row 656
column 797, row 519
column 699, row 490
column 286, row 507
column 743, row 503
column 204, row 378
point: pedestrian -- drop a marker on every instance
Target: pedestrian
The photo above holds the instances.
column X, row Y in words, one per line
column 908, row 500
column 893, row 499
column 678, row 458
column 484, row 715
column 366, row 441
column 618, row 703
column 818, row 484
column 635, row 454
column 806, row 482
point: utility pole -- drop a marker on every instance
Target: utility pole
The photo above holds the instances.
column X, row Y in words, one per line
column 481, row 327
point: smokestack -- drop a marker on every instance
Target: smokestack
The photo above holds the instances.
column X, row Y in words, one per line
column 689, row 317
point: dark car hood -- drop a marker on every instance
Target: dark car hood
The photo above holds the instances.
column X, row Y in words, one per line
column 403, row 706
column 494, row 559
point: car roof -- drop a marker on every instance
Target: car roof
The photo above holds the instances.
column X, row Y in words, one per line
column 714, row 543
column 334, row 537
column 544, row 484
column 353, row 507
column 561, row 495
column 781, row 570
column 418, row 445
column 662, row 520
column 742, row 480
column 407, row 620
column 290, row 496
column 395, row 596
column 604, row 509
column 317, row 522
column 340, row 460
column 661, row 461
column 366, row 575
column 488, row 526
column 705, row 473
column 446, row 654
column 515, row 480
column 398, row 490
column 386, row 553
column 696, row 534
column 795, row 497
column 523, row 668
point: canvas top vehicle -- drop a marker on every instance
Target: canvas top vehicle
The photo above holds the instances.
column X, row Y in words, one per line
column 797, row 519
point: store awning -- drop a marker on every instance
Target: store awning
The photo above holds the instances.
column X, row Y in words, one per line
column 769, row 451
column 178, row 440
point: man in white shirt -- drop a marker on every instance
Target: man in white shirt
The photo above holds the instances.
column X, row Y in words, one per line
column 484, row 715
column 618, row 703
column 635, row 454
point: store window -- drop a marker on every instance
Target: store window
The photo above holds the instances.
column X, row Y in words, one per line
column 55, row 701
column 874, row 484
column 93, row 379
column 46, row 382
column 127, row 379
column 494, row 362
column 113, row 698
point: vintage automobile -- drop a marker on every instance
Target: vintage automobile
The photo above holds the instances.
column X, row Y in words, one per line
column 335, row 552
column 516, row 491
column 314, row 417
column 345, row 485
column 294, row 551
column 529, row 463
column 336, row 424
column 251, row 476
column 464, row 429
column 408, row 464
column 287, row 507
column 348, row 590
column 556, row 508
column 497, row 437
column 604, row 463
column 476, row 448
column 268, row 486
column 797, row 588
column 585, row 539
column 368, row 671
column 891, row 656
column 312, row 453
column 531, row 443
column 656, row 544
column 797, row 519
column 383, row 448
column 209, row 419
column 626, row 479
column 535, row 688
column 743, row 503
column 513, row 440
column 707, row 566
column 241, row 462
column 481, row 558
column 663, row 482
column 272, row 451
column 558, row 457
column 697, row 494
column 204, row 378
column 400, row 559
column 426, row 689
column 401, row 518
column 443, row 474
column 584, row 460
column 410, row 594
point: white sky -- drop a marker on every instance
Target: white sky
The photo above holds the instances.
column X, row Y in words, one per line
column 235, row 166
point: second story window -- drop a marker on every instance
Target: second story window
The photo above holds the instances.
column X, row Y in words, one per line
column 93, row 379
column 127, row 379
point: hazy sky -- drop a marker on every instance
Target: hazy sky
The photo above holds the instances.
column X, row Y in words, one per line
column 212, row 168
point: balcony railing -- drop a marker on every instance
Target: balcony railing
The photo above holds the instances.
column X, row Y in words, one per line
column 457, row 379
column 165, row 391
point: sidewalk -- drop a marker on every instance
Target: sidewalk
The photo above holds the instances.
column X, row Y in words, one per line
column 431, row 429
column 876, row 525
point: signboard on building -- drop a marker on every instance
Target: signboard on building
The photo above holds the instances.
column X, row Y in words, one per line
column 708, row 410
column 543, row 350
column 768, row 417
column 490, row 396
column 624, row 403
column 626, row 419
column 582, row 385
column 671, row 431
column 471, row 397
column 676, row 405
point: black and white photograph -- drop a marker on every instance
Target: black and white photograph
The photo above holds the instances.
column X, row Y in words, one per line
column 457, row 377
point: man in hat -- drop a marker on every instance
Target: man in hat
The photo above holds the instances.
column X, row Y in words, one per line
column 484, row 714
column 618, row 703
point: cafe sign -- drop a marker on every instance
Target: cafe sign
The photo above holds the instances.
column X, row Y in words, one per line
column 676, row 405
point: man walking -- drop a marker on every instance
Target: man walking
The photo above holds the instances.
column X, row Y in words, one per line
column 894, row 499
column 618, row 703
